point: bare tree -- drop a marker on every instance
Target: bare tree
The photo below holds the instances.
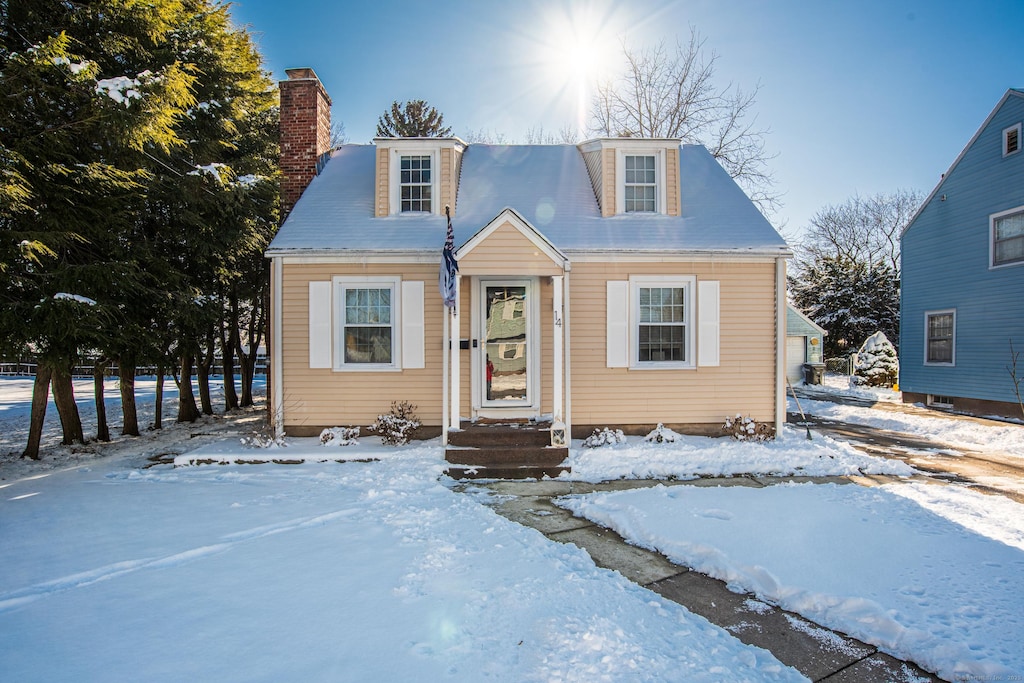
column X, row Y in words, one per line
column 566, row 135
column 862, row 230
column 485, row 136
column 338, row 135
column 671, row 93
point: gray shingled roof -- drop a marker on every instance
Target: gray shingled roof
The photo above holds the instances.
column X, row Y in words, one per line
column 547, row 185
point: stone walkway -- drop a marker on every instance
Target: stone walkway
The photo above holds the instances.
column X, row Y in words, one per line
column 817, row 652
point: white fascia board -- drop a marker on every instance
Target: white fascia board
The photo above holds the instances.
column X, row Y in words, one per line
column 376, row 256
column 637, row 256
column 523, row 226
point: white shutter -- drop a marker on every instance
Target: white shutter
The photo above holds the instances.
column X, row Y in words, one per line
column 412, row 324
column 708, row 322
column 320, row 324
column 618, row 324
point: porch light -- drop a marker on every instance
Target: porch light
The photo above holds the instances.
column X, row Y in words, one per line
column 558, row 433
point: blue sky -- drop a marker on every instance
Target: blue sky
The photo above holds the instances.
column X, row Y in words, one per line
column 860, row 97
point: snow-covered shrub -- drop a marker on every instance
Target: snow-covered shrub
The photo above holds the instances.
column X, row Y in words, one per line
column 661, row 434
column 604, row 437
column 748, row 429
column 263, row 438
column 339, row 436
column 396, row 427
column 877, row 364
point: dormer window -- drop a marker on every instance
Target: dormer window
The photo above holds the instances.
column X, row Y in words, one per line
column 1011, row 140
column 641, row 184
column 415, row 183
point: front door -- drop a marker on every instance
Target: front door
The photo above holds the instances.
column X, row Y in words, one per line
column 507, row 347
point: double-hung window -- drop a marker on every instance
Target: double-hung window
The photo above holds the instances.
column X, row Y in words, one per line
column 940, row 340
column 367, row 311
column 415, row 183
column 1008, row 237
column 641, row 183
column 662, row 321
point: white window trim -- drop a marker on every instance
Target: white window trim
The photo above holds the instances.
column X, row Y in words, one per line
column 395, row 180
column 992, row 265
column 660, row 194
column 689, row 285
column 341, row 282
column 941, row 364
column 1020, row 142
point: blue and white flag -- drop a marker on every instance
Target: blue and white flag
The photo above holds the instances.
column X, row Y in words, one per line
column 449, row 266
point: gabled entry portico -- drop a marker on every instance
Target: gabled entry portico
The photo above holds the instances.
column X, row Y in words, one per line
column 512, row 288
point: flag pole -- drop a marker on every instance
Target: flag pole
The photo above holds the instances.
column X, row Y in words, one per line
column 448, row 284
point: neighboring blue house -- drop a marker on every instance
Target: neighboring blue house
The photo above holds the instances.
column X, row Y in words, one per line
column 963, row 275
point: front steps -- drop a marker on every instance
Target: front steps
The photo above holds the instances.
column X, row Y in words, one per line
column 504, row 450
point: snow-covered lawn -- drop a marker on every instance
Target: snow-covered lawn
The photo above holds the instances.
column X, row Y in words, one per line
column 374, row 569
column 930, row 573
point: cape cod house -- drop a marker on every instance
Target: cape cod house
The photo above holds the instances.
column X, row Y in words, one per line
column 614, row 283
column 962, row 286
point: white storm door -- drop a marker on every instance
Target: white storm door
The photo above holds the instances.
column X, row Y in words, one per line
column 509, row 352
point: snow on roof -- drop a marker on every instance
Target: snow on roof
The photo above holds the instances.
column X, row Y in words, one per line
column 547, row 185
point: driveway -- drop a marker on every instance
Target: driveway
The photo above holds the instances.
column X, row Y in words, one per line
column 986, row 471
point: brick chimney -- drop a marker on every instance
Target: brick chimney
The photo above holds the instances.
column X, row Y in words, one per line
column 305, row 132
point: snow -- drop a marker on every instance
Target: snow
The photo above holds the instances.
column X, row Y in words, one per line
column 873, row 563
column 361, row 563
column 212, row 170
column 121, row 89
column 63, row 296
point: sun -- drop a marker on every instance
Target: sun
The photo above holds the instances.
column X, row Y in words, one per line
column 579, row 48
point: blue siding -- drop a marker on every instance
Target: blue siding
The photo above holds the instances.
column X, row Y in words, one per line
column 946, row 266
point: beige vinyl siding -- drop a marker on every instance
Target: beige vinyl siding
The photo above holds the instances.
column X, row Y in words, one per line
column 608, row 207
column 672, row 207
column 316, row 398
column 506, row 251
column 383, row 182
column 448, row 187
column 744, row 382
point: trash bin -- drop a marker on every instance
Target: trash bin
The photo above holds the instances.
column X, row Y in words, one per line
column 814, row 373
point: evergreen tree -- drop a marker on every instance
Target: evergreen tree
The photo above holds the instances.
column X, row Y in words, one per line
column 77, row 112
column 413, row 119
column 877, row 364
column 849, row 299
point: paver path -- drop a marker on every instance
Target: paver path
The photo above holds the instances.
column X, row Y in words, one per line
column 817, row 652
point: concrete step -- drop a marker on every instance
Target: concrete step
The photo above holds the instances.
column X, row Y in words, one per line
column 507, row 456
column 503, row 472
column 501, row 434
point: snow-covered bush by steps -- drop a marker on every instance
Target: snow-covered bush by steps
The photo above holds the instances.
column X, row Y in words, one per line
column 604, row 437
column 747, row 429
column 661, row 434
column 877, row 364
column 396, row 427
column 339, row 436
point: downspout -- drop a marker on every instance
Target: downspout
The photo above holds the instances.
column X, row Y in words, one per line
column 780, row 339
column 277, row 372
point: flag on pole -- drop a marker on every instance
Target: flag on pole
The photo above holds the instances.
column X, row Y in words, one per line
column 449, row 266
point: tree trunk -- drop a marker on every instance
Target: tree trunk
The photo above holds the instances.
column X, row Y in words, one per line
column 98, row 370
column 40, row 397
column 158, row 415
column 203, row 366
column 187, row 410
column 129, row 410
column 67, row 409
column 227, row 347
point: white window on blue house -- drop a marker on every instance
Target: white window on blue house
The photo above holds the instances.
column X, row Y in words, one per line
column 940, row 338
column 1008, row 237
column 1011, row 140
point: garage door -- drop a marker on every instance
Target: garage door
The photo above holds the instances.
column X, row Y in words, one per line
column 796, row 350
